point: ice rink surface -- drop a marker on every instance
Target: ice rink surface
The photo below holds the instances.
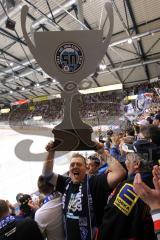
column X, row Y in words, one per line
column 17, row 175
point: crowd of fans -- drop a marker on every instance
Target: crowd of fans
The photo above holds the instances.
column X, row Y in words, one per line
column 113, row 194
column 95, row 106
column 143, row 88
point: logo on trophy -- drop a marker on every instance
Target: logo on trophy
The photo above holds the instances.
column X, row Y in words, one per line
column 70, row 57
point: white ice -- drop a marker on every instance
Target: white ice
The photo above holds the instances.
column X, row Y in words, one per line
column 21, row 176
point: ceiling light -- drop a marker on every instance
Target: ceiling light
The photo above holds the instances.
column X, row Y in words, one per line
column 58, row 95
column 11, row 64
column 130, row 40
column 102, row 89
column 86, row 83
column 102, row 67
column 23, row 88
column 37, row 85
column 10, row 91
column 5, row 110
column 53, row 80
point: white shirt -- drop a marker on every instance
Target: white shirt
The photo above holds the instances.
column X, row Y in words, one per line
column 50, row 220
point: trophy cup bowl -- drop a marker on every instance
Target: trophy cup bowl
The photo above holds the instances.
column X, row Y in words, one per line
column 47, row 44
column 69, row 57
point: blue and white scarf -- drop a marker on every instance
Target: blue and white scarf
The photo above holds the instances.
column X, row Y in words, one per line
column 50, row 197
column 6, row 221
column 87, row 228
column 7, row 228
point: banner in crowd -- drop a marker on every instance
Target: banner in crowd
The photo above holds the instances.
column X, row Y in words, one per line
column 20, row 102
column 40, row 99
column 137, row 105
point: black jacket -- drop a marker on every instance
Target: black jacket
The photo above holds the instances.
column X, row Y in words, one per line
column 26, row 229
column 127, row 217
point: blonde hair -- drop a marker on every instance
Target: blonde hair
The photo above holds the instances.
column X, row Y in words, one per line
column 78, row 155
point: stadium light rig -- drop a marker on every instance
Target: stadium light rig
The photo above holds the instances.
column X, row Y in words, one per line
column 102, row 67
column 102, row 89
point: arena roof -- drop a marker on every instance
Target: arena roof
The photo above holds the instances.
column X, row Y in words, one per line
column 133, row 56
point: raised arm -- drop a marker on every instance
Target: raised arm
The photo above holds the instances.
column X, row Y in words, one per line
column 148, row 195
column 48, row 165
column 115, row 172
column 151, row 196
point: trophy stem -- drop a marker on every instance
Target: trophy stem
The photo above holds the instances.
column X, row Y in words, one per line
column 71, row 119
column 72, row 132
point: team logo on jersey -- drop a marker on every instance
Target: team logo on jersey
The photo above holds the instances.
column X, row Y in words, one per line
column 69, row 57
column 126, row 199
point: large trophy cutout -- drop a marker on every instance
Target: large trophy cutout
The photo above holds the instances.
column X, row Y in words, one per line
column 69, row 57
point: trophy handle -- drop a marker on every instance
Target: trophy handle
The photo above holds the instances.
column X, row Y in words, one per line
column 109, row 10
column 23, row 24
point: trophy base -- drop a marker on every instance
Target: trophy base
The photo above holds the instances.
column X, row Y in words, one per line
column 73, row 139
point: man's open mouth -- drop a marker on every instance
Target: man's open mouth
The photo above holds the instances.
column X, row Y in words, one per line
column 76, row 173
